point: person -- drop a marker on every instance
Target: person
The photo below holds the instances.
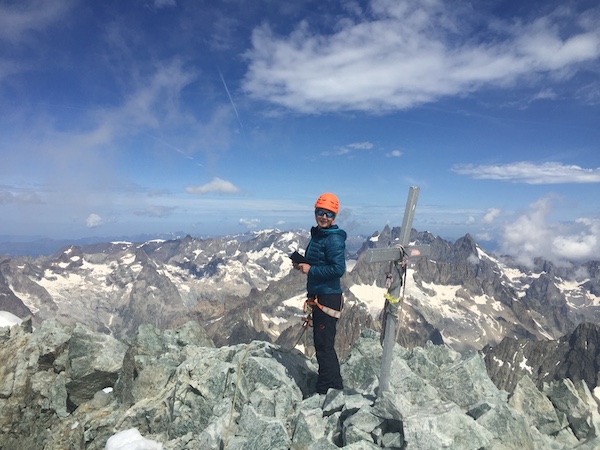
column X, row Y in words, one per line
column 326, row 256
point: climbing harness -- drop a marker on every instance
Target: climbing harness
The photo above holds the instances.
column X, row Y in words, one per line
column 311, row 302
column 307, row 320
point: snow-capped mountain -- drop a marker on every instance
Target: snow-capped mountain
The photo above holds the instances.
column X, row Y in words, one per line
column 243, row 287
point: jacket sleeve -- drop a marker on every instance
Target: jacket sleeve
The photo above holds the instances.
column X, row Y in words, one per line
column 335, row 260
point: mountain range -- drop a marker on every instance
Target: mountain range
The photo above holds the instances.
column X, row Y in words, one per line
column 243, row 288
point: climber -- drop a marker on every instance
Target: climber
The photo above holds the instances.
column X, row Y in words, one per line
column 326, row 256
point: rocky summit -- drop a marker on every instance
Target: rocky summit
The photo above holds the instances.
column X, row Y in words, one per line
column 68, row 387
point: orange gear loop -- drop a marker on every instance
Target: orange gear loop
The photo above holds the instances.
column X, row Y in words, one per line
column 310, row 303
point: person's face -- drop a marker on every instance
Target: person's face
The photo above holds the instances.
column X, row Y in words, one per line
column 324, row 217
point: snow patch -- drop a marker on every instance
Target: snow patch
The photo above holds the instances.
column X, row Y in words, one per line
column 543, row 331
column 296, row 302
column 275, row 320
column 8, row 319
column 498, row 361
column 128, row 259
column 523, row 365
column 371, row 295
column 26, row 299
column 131, row 440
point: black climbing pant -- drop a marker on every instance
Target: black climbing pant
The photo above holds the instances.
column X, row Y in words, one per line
column 324, row 330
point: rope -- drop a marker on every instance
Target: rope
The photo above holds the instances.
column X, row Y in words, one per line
column 237, row 383
column 306, row 322
column 393, row 302
column 300, row 337
column 400, row 315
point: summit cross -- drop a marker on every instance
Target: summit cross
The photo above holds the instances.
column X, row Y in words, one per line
column 397, row 257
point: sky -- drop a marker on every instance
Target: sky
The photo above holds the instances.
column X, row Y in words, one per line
column 216, row 117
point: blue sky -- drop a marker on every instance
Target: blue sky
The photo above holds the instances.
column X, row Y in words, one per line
column 215, row 117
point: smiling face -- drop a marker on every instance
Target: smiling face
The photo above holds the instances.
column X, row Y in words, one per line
column 324, row 217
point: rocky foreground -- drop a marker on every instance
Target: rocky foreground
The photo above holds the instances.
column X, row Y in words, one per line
column 70, row 388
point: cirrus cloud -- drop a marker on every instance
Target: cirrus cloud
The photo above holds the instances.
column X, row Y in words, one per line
column 155, row 211
column 530, row 173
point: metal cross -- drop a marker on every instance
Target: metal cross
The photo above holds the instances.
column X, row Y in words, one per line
column 397, row 257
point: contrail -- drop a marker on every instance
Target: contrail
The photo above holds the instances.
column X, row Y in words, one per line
column 178, row 150
column 232, row 104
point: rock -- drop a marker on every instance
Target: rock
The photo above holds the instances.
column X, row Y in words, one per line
column 591, row 444
column 575, row 356
column 95, row 361
column 529, row 401
column 443, row 425
column 578, row 409
column 361, row 426
column 179, row 391
column 322, row 444
column 309, row 427
column 466, row 382
column 262, row 432
column 509, row 429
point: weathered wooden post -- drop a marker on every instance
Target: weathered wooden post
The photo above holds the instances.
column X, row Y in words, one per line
column 397, row 257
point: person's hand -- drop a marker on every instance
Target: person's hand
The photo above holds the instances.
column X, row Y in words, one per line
column 304, row 268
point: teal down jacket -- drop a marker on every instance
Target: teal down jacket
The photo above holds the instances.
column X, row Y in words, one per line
column 326, row 253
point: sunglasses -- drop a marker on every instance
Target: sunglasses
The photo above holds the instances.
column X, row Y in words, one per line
column 322, row 212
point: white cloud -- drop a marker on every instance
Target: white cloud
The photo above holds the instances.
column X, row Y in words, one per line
column 590, row 93
column 347, row 149
column 545, row 94
column 580, row 245
column 360, row 146
column 216, row 185
column 24, row 16
column 484, row 236
column 93, row 221
column 7, row 197
column 407, row 53
column 85, row 155
column 491, row 215
column 473, row 259
column 250, row 223
column 158, row 4
column 530, row 236
column 530, row 173
column 394, row 154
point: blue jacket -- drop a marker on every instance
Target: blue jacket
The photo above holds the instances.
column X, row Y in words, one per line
column 326, row 253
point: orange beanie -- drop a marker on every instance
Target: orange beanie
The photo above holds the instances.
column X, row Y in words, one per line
column 328, row 201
